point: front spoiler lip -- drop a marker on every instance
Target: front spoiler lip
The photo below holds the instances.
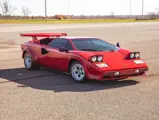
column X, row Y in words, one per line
column 126, row 71
column 109, row 75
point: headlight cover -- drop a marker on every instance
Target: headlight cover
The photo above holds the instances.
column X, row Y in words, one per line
column 96, row 58
column 100, row 58
column 134, row 55
column 137, row 55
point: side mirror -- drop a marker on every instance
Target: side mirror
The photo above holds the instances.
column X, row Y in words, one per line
column 63, row 50
column 43, row 51
column 118, row 44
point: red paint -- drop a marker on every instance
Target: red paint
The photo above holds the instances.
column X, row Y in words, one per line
column 116, row 60
column 43, row 34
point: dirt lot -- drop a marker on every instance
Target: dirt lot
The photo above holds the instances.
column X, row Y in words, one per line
column 49, row 95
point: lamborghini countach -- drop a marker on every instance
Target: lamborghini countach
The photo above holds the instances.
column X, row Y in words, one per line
column 82, row 57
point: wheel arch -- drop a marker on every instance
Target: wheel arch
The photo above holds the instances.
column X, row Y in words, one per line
column 74, row 60
column 24, row 53
column 70, row 63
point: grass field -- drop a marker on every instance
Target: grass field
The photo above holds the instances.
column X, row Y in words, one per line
column 71, row 21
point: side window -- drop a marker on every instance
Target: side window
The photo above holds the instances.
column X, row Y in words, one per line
column 69, row 46
column 58, row 43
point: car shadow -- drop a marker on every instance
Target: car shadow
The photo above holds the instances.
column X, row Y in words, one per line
column 46, row 79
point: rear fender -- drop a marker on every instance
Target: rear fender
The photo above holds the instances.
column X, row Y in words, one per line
column 26, row 48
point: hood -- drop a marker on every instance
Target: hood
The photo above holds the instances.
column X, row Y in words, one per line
column 114, row 59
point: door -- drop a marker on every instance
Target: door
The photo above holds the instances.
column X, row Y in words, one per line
column 44, row 56
column 64, row 57
column 59, row 60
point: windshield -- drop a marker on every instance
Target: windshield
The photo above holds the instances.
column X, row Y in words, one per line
column 93, row 44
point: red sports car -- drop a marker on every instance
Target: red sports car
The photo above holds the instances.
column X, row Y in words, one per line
column 82, row 57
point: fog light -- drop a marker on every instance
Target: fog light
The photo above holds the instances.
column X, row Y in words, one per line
column 116, row 73
column 137, row 71
column 101, row 65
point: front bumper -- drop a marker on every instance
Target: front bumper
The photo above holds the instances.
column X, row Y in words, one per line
column 118, row 74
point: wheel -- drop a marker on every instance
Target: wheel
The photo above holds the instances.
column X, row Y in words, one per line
column 77, row 72
column 28, row 62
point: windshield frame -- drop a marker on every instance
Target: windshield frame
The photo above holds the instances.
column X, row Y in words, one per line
column 112, row 46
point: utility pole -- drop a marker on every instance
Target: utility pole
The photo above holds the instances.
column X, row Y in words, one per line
column 130, row 9
column 45, row 11
column 142, row 7
column 68, row 10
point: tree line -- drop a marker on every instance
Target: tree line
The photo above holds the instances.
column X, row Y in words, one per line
column 7, row 12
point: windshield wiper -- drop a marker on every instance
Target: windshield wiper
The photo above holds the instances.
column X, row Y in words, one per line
column 96, row 50
column 108, row 50
column 89, row 49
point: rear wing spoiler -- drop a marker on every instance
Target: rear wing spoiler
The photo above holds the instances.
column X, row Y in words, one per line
column 35, row 35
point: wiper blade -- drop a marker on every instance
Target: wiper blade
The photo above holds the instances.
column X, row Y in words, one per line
column 107, row 50
column 89, row 49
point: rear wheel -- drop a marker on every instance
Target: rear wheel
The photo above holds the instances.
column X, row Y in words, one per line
column 77, row 72
column 28, row 62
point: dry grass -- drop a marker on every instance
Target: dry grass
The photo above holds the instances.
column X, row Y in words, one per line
column 69, row 21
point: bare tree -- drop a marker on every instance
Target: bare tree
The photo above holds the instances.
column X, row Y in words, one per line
column 6, row 7
column 1, row 6
column 25, row 11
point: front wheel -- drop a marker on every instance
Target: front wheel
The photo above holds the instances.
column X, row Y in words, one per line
column 77, row 72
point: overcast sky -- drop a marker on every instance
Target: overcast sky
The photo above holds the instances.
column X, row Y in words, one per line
column 86, row 7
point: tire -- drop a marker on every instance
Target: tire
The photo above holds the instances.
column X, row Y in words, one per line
column 77, row 72
column 29, row 63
